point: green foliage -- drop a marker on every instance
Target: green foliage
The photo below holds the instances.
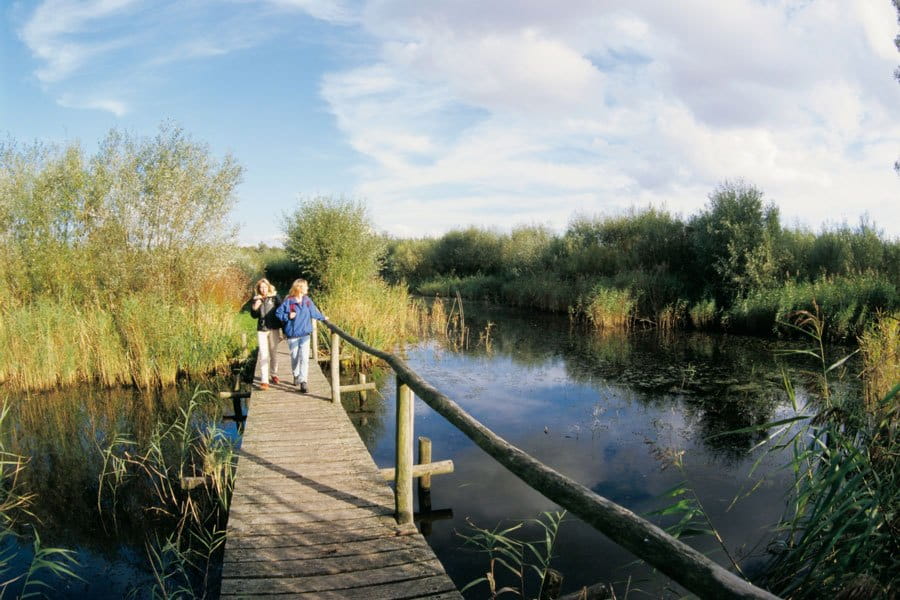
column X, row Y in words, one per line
column 332, row 242
column 736, row 234
column 513, row 558
column 731, row 265
column 850, row 302
column 139, row 228
column 838, row 537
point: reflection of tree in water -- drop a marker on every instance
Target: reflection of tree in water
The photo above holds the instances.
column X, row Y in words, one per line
column 368, row 416
column 64, row 434
column 722, row 382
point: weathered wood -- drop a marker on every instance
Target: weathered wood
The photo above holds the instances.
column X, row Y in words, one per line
column 677, row 560
column 403, row 455
column 441, row 467
column 358, row 387
column 551, row 586
column 335, row 369
column 314, row 340
column 425, row 459
column 310, row 513
column 232, row 395
column 317, row 583
column 362, row 392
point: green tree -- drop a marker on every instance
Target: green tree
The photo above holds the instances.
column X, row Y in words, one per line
column 736, row 235
column 332, row 241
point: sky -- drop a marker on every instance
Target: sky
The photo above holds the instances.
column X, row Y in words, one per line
column 439, row 115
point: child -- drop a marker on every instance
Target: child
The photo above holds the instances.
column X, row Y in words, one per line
column 297, row 312
column 268, row 330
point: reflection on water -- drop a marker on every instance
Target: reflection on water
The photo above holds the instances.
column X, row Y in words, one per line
column 606, row 410
column 62, row 434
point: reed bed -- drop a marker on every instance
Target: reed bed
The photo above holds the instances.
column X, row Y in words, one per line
column 141, row 340
column 607, row 308
column 385, row 316
column 880, row 348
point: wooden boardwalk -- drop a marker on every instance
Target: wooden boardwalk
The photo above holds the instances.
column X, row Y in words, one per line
column 310, row 516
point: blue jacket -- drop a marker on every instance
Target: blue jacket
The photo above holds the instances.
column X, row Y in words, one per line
column 301, row 324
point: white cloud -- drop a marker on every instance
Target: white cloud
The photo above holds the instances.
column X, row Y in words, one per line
column 112, row 105
column 54, row 21
column 541, row 110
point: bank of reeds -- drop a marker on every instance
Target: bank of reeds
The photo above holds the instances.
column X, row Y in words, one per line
column 140, row 339
column 880, row 348
column 838, row 537
column 849, row 303
column 383, row 315
column 732, row 262
column 607, row 308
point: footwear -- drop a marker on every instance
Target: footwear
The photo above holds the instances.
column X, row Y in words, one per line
column 296, row 380
column 263, row 386
column 275, row 379
column 303, row 387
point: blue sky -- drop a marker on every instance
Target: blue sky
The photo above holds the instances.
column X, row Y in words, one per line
column 448, row 114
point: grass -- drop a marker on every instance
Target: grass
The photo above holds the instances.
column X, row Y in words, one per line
column 383, row 316
column 839, row 534
column 607, row 308
column 141, row 340
column 849, row 301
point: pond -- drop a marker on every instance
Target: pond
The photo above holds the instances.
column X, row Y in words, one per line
column 616, row 413
column 100, row 469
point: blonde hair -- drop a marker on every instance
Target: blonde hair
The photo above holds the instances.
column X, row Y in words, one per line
column 299, row 288
column 272, row 291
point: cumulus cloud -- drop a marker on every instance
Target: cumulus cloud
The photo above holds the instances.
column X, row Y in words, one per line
column 554, row 107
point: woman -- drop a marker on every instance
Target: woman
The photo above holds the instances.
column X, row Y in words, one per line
column 268, row 330
column 297, row 312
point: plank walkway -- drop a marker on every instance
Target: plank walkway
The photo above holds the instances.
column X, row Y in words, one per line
column 310, row 516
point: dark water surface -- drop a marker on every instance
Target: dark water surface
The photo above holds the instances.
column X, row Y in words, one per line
column 611, row 412
column 62, row 434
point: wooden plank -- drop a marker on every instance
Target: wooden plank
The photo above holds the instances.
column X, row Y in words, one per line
column 317, row 583
column 436, row 588
column 310, row 515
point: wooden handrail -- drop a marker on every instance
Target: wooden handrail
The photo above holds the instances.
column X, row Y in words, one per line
column 677, row 560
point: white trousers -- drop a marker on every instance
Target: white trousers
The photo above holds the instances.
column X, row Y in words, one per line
column 268, row 353
column 299, row 347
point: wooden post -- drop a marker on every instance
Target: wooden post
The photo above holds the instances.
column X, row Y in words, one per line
column 362, row 393
column 425, row 480
column 551, row 585
column 314, row 341
column 335, row 368
column 404, row 455
column 235, row 398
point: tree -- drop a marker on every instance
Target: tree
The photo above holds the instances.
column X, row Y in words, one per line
column 736, row 235
column 332, row 241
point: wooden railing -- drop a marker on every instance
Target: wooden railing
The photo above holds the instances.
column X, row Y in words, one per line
column 677, row 560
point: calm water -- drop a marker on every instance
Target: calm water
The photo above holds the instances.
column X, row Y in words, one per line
column 608, row 411
column 62, row 434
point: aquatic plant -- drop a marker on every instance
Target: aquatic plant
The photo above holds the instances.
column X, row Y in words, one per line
column 190, row 449
column 510, row 556
column 838, row 536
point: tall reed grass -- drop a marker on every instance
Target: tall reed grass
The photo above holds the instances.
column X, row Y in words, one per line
column 384, row 316
column 140, row 339
column 838, row 537
column 607, row 308
column 880, row 348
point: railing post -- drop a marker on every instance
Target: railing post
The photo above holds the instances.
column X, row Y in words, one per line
column 424, row 480
column 403, row 479
column 335, row 368
column 314, row 341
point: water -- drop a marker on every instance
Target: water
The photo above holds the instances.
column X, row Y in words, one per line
column 613, row 412
column 62, row 435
